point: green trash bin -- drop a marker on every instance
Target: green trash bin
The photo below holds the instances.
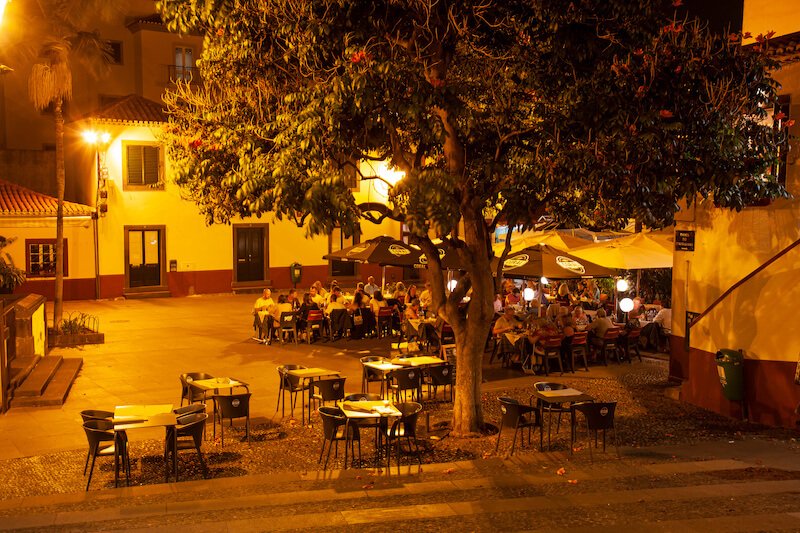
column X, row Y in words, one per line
column 730, row 367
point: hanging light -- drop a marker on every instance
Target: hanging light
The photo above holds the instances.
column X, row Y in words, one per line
column 544, row 281
column 452, row 284
column 626, row 305
column 622, row 285
column 2, row 9
column 528, row 294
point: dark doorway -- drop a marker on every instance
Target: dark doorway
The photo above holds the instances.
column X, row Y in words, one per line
column 144, row 257
column 250, row 242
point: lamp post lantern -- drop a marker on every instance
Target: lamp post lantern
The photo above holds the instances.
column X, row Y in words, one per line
column 100, row 142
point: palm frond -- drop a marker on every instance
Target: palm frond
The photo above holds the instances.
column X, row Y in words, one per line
column 49, row 82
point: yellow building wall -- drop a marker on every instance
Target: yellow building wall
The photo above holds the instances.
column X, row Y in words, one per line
column 764, row 16
column 78, row 234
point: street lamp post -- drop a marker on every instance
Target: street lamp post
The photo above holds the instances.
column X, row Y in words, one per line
column 100, row 142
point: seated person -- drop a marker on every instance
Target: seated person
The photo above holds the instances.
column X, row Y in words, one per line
column 513, row 297
column 498, row 304
column 579, row 318
column 317, row 297
column 507, row 322
column 293, row 300
column 370, row 287
column 338, row 317
column 658, row 329
column 260, row 310
column 600, row 324
column 426, row 297
column 273, row 318
column 377, row 302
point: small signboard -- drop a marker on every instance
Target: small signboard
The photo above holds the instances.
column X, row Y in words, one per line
column 684, row 240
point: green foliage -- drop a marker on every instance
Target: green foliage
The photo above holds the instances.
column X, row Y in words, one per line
column 593, row 114
column 75, row 323
column 10, row 276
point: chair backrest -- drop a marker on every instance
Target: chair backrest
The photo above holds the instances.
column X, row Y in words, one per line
column 408, row 420
column 192, row 425
column 332, row 419
column 552, row 342
column 407, row 378
column 579, row 338
column 288, row 320
column 548, row 385
column 611, row 334
column 385, row 312
column 599, row 415
column 96, row 414
column 330, row 389
column 314, row 315
column 442, row 374
column 98, row 431
column 512, row 411
column 190, row 409
column 233, row 405
column 362, row 397
column 634, row 334
column 287, row 380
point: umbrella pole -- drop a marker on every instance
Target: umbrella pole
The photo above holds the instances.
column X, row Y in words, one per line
column 638, row 280
column 383, row 278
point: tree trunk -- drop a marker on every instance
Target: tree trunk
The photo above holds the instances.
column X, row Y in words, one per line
column 471, row 334
column 58, row 304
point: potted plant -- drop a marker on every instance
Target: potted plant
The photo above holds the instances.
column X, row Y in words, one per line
column 10, row 276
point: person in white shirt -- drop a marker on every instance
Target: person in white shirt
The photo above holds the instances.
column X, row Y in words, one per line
column 370, row 287
column 274, row 317
column 426, row 297
column 261, row 310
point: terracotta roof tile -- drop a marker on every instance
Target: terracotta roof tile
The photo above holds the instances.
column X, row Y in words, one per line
column 130, row 109
column 16, row 200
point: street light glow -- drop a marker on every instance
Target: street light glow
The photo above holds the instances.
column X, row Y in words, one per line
column 95, row 137
column 2, row 9
column 622, row 285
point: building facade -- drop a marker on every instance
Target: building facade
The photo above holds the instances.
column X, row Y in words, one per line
column 741, row 278
column 148, row 241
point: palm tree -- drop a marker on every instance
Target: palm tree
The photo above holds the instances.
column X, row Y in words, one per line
column 56, row 25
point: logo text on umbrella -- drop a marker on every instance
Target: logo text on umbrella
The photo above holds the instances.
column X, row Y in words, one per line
column 570, row 264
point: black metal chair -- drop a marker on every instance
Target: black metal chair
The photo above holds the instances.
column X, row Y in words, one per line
column 325, row 390
column 598, row 415
column 105, row 442
column 384, row 321
column 518, row 416
column 335, row 429
column 403, row 380
column 231, row 406
column 190, row 409
column 291, row 384
column 440, row 376
column 288, row 325
column 371, row 375
column 404, row 427
column 629, row 344
column 189, row 393
column 96, row 414
column 189, row 436
column 548, row 407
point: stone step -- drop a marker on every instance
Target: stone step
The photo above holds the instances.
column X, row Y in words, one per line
column 39, row 377
column 21, row 367
column 58, row 387
column 353, row 499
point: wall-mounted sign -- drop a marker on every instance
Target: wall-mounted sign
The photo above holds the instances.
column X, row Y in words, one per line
column 684, row 240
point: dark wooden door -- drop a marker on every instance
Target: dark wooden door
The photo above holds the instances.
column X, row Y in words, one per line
column 144, row 258
column 250, row 254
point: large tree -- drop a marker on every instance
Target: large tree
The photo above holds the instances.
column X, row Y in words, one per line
column 498, row 111
column 54, row 35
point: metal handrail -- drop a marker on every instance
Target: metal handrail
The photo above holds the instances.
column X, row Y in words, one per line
column 5, row 360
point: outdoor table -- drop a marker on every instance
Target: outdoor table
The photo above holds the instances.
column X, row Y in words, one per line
column 425, row 360
column 364, row 410
column 559, row 397
column 147, row 416
column 308, row 374
column 384, row 368
column 215, row 384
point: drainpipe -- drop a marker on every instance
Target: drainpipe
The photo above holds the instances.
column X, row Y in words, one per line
column 96, row 257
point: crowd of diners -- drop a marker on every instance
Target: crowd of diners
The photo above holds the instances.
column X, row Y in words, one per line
column 363, row 306
column 560, row 309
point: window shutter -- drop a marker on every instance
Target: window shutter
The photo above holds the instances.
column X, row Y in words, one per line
column 135, row 163
column 151, row 165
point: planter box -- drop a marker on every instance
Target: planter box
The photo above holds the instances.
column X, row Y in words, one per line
column 75, row 339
